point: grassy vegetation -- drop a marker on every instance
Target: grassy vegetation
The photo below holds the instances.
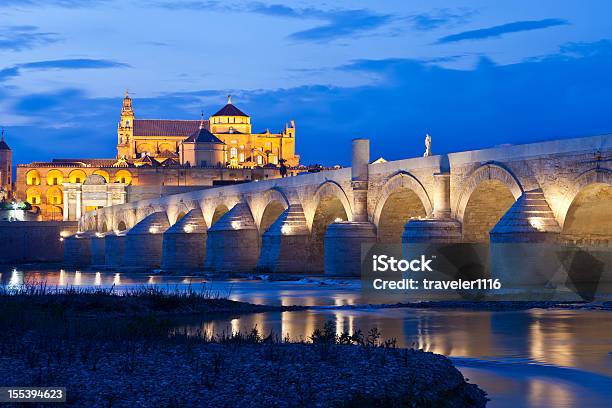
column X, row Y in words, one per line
column 83, row 302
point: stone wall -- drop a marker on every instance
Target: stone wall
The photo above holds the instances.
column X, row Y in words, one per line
column 31, row 241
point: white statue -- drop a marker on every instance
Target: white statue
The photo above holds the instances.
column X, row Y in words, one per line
column 427, row 146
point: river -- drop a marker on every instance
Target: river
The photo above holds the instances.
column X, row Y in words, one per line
column 531, row 358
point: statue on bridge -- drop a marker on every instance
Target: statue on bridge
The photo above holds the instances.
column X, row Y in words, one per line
column 427, row 146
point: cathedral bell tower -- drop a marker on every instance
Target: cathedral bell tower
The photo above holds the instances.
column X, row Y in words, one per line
column 125, row 130
column 6, row 166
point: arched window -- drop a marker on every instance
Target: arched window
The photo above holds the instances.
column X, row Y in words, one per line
column 77, row 176
column 103, row 174
column 55, row 178
column 233, row 152
column 54, row 196
column 123, row 176
column 33, row 195
column 33, row 178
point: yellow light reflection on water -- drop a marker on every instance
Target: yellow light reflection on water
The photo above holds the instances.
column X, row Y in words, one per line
column 98, row 279
column 549, row 393
column 235, row 323
column 16, row 279
column 62, row 278
column 344, row 323
column 548, row 343
column 117, row 279
column 77, row 278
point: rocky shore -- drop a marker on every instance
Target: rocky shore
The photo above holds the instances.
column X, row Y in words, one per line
column 235, row 374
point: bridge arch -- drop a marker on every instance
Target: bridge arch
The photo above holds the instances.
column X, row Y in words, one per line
column 485, row 196
column 402, row 197
column 487, row 171
column 125, row 218
column 218, row 211
column 268, row 207
column 331, row 205
column 326, row 193
column 144, row 212
column 178, row 211
column 587, row 210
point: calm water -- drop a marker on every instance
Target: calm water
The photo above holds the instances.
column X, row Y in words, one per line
column 535, row 358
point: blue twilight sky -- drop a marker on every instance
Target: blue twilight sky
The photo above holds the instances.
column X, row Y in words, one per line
column 472, row 73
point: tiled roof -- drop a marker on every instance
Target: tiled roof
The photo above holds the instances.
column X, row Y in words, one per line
column 171, row 162
column 166, row 154
column 230, row 110
column 203, row 136
column 85, row 162
column 163, row 127
column 147, row 161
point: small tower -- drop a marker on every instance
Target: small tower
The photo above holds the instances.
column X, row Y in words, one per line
column 6, row 165
column 125, row 130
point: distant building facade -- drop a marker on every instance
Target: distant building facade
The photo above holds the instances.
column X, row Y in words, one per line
column 154, row 157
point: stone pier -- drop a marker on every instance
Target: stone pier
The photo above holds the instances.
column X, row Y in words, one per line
column 343, row 243
column 184, row 244
column 77, row 249
column 344, row 240
column 114, row 248
column 524, row 249
column 143, row 243
column 232, row 244
column 285, row 245
column 98, row 249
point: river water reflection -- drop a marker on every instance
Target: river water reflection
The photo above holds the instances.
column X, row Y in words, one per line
column 533, row 358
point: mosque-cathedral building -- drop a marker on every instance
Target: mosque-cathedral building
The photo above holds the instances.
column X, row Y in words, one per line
column 157, row 157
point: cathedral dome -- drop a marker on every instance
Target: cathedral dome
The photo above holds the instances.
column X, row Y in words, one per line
column 230, row 110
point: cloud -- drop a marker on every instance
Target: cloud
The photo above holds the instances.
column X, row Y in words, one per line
column 341, row 24
column 498, row 31
column 18, row 38
column 65, row 64
column 58, row 3
column 7, row 73
column 440, row 18
column 80, row 63
column 190, row 5
column 278, row 10
column 36, row 103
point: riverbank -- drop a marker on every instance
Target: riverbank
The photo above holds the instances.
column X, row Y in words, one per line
column 112, row 350
column 142, row 301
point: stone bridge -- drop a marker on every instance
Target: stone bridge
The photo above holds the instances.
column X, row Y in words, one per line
column 555, row 191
